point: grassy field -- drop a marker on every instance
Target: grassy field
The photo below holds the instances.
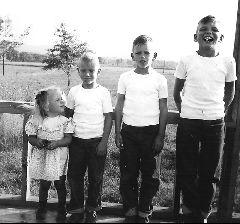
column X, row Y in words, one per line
column 22, row 82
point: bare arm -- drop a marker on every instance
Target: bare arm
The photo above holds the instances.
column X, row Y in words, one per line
column 159, row 141
column 102, row 147
column 65, row 141
column 178, row 86
column 229, row 93
column 68, row 112
column 118, row 119
column 35, row 141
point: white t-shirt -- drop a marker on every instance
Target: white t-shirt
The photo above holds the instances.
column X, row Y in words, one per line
column 203, row 92
column 89, row 105
column 142, row 94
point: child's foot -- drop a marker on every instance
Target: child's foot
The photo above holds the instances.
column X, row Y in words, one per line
column 142, row 219
column 41, row 213
column 61, row 215
column 130, row 219
column 76, row 218
column 91, row 217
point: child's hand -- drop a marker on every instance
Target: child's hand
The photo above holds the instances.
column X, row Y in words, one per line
column 158, row 145
column 102, row 148
column 40, row 143
column 52, row 145
column 25, row 108
column 119, row 141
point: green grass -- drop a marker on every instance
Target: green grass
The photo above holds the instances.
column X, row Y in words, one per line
column 22, row 83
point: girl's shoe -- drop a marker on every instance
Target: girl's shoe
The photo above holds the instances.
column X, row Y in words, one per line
column 91, row 217
column 41, row 213
column 61, row 215
column 76, row 218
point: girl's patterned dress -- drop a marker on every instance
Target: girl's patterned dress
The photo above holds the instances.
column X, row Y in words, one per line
column 48, row 164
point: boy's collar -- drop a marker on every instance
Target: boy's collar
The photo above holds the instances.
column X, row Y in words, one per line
column 205, row 56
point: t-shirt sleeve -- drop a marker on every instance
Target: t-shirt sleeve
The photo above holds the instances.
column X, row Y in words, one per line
column 181, row 70
column 121, row 85
column 106, row 102
column 31, row 126
column 231, row 71
column 163, row 89
column 68, row 126
column 70, row 100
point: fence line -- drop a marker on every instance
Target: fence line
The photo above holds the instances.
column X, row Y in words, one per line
column 13, row 107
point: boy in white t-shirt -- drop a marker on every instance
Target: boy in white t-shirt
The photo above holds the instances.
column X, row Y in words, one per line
column 204, row 88
column 142, row 107
column 91, row 107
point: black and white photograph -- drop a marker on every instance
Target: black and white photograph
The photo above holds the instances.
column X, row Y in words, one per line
column 119, row 111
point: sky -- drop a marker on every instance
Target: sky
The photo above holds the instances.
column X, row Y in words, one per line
column 110, row 26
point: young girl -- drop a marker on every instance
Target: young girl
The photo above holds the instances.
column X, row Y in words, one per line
column 49, row 133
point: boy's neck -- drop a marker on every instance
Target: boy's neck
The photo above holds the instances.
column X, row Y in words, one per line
column 142, row 71
column 50, row 114
column 90, row 86
column 209, row 52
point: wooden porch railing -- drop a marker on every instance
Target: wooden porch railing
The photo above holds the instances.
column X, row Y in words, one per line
column 12, row 107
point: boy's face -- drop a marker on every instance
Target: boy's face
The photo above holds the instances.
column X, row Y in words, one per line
column 143, row 55
column 56, row 101
column 88, row 72
column 208, row 35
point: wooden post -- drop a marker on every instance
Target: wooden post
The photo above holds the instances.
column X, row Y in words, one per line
column 25, row 183
column 3, row 63
column 232, row 144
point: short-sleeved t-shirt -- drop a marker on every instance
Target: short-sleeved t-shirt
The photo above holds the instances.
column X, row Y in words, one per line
column 89, row 106
column 142, row 94
column 203, row 92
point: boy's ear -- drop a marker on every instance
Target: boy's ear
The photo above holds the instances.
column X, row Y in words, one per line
column 132, row 56
column 195, row 37
column 99, row 70
column 154, row 56
column 221, row 37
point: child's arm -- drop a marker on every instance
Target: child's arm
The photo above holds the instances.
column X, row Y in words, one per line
column 35, row 141
column 68, row 112
column 118, row 120
column 102, row 147
column 178, row 86
column 65, row 141
column 229, row 93
column 159, row 141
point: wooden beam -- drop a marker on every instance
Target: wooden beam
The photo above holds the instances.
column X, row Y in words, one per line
column 232, row 144
column 25, row 180
column 15, row 107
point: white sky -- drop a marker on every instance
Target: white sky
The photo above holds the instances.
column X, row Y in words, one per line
column 110, row 26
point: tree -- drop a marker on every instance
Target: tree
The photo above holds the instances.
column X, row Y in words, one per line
column 8, row 41
column 64, row 52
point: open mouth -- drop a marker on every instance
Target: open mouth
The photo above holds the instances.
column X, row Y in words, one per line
column 208, row 39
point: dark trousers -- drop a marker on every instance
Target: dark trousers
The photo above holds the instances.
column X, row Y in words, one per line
column 137, row 155
column 83, row 156
column 199, row 145
column 60, row 186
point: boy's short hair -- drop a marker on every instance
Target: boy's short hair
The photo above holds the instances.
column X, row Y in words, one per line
column 88, row 57
column 142, row 39
column 210, row 19
column 207, row 19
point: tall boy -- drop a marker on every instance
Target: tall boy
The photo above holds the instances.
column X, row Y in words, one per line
column 142, row 107
column 91, row 106
column 206, row 80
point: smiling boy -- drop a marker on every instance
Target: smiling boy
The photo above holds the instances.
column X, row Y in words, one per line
column 204, row 88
